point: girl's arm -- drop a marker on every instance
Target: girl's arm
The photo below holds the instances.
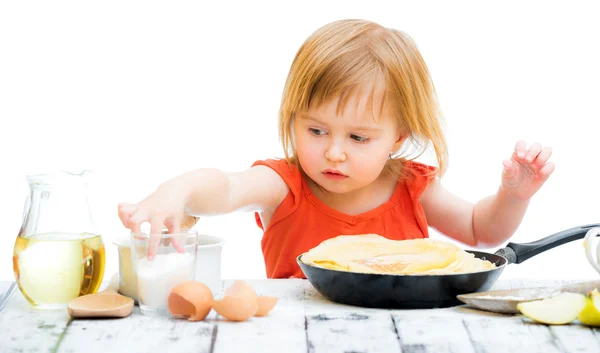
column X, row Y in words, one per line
column 486, row 224
column 212, row 191
column 204, row 192
column 494, row 219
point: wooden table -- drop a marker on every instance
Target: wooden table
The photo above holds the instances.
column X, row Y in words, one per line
column 302, row 321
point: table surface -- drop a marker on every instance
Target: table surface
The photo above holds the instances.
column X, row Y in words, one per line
column 302, row 321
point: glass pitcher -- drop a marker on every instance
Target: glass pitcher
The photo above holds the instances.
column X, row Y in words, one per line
column 58, row 254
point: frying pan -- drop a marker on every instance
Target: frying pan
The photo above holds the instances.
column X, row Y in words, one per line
column 427, row 291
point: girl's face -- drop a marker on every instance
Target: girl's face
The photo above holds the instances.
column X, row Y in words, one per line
column 347, row 151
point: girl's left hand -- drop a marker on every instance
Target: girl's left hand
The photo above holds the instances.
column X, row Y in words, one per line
column 527, row 170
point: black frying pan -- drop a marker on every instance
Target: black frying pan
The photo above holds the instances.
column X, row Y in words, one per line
column 427, row 291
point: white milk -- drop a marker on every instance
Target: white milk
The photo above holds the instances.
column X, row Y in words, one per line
column 158, row 277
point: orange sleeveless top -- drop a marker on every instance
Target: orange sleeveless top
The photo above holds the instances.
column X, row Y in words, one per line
column 302, row 221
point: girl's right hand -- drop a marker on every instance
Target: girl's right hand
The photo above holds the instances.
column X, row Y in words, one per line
column 162, row 209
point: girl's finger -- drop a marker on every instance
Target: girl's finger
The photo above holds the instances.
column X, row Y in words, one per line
column 543, row 157
column 156, row 228
column 545, row 172
column 125, row 211
column 520, row 149
column 135, row 221
column 534, row 150
column 127, row 207
column 509, row 169
column 172, row 224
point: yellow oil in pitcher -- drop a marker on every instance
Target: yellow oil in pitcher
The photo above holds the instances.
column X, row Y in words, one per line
column 52, row 269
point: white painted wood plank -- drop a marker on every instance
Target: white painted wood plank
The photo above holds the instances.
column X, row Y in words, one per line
column 280, row 331
column 354, row 330
column 596, row 333
column 26, row 329
column 510, row 334
column 576, row 338
column 139, row 333
column 432, row 331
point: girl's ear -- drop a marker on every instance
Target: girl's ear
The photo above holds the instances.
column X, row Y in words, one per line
column 401, row 138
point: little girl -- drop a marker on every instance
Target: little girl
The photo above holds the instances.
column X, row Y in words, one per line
column 358, row 107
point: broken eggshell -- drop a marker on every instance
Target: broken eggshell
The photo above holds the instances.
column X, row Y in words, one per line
column 265, row 305
column 239, row 302
column 191, row 300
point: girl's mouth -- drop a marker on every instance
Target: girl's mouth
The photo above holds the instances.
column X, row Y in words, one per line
column 334, row 174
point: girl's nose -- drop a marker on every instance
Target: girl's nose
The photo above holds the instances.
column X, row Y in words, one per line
column 335, row 153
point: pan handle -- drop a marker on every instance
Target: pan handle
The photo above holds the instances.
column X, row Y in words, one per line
column 517, row 253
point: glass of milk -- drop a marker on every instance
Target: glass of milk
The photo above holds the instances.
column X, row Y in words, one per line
column 175, row 262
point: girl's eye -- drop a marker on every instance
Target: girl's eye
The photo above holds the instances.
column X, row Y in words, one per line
column 316, row 132
column 359, row 138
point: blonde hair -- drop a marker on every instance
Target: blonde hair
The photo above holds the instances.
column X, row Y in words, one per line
column 339, row 58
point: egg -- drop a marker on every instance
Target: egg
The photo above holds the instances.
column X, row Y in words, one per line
column 239, row 302
column 265, row 304
column 191, row 300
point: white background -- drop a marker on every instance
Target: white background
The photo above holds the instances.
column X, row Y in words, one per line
column 141, row 92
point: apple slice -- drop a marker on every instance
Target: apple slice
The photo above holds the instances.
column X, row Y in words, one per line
column 590, row 315
column 558, row 310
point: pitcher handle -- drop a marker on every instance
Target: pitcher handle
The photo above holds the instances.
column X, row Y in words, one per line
column 587, row 243
column 26, row 208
